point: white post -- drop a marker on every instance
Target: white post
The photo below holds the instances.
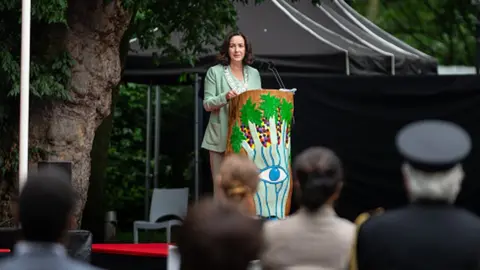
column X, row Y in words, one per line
column 24, row 94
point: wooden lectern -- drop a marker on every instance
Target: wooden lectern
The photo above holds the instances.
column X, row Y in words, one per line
column 259, row 127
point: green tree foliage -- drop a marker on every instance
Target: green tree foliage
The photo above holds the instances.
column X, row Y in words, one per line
column 50, row 67
column 444, row 29
column 125, row 172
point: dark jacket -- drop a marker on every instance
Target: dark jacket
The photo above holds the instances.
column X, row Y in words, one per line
column 421, row 236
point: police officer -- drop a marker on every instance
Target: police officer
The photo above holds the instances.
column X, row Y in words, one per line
column 430, row 233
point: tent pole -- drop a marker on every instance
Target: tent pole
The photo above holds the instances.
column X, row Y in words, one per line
column 156, row 170
column 24, row 94
column 148, row 145
column 197, row 132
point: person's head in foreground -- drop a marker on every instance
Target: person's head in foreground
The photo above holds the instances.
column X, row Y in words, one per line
column 433, row 151
column 238, row 178
column 216, row 236
column 318, row 174
column 235, row 50
column 45, row 207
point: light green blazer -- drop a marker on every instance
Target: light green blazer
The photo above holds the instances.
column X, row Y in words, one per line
column 215, row 102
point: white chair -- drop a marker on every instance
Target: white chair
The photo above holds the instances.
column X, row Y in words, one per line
column 165, row 202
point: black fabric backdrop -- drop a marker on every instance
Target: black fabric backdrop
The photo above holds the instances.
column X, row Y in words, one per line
column 358, row 118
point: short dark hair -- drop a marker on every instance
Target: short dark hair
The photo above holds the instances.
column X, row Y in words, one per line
column 46, row 204
column 216, row 236
column 319, row 173
column 223, row 57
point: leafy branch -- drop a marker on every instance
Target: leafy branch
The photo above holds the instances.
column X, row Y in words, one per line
column 236, row 138
column 286, row 111
column 249, row 113
column 269, row 105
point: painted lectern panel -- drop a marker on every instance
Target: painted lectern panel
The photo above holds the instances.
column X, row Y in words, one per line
column 259, row 127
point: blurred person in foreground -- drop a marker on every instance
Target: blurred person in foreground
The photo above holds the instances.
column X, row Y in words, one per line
column 216, row 236
column 430, row 233
column 44, row 210
column 314, row 237
column 237, row 182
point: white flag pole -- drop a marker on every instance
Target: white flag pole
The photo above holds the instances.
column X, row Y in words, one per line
column 24, row 93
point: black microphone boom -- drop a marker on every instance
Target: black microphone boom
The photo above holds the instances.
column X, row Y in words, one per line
column 272, row 68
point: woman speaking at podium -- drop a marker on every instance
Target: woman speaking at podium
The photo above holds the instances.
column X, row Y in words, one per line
column 232, row 76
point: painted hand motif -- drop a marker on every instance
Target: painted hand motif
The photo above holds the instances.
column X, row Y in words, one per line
column 264, row 134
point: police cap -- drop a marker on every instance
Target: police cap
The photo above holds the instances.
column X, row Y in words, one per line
column 433, row 145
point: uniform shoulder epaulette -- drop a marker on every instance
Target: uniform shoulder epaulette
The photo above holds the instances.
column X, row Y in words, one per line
column 358, row 222
column 366, row 215
column 362, row 218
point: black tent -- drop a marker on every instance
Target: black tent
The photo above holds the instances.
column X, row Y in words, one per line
column 327, row 14
column 296, row 44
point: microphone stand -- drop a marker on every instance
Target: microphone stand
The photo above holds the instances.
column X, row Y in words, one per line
column 272, row 68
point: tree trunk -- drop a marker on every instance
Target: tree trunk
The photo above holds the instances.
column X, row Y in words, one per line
column 95, row 207
column 93, row 214
column 66, row 129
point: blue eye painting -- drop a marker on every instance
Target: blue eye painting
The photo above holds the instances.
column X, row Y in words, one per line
column 263, row 133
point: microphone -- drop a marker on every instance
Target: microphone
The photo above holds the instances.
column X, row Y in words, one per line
column 272, row 68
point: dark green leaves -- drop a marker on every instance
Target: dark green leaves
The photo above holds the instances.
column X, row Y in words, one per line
column 444, row 29
column 49, row 11
column 48, row 79
column 182, row 30
column 50, row 64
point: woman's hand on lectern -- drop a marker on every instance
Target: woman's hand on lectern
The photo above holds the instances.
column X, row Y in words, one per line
column 231, row 94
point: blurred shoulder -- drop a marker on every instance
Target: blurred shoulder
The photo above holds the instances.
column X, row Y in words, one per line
column 9, row 263
column 78, row 265
column 215, row 69
column 252, row 70
column 275, row 230
column 52, row 263
column 274, row 227
column 344, row 223
column 380, row 219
